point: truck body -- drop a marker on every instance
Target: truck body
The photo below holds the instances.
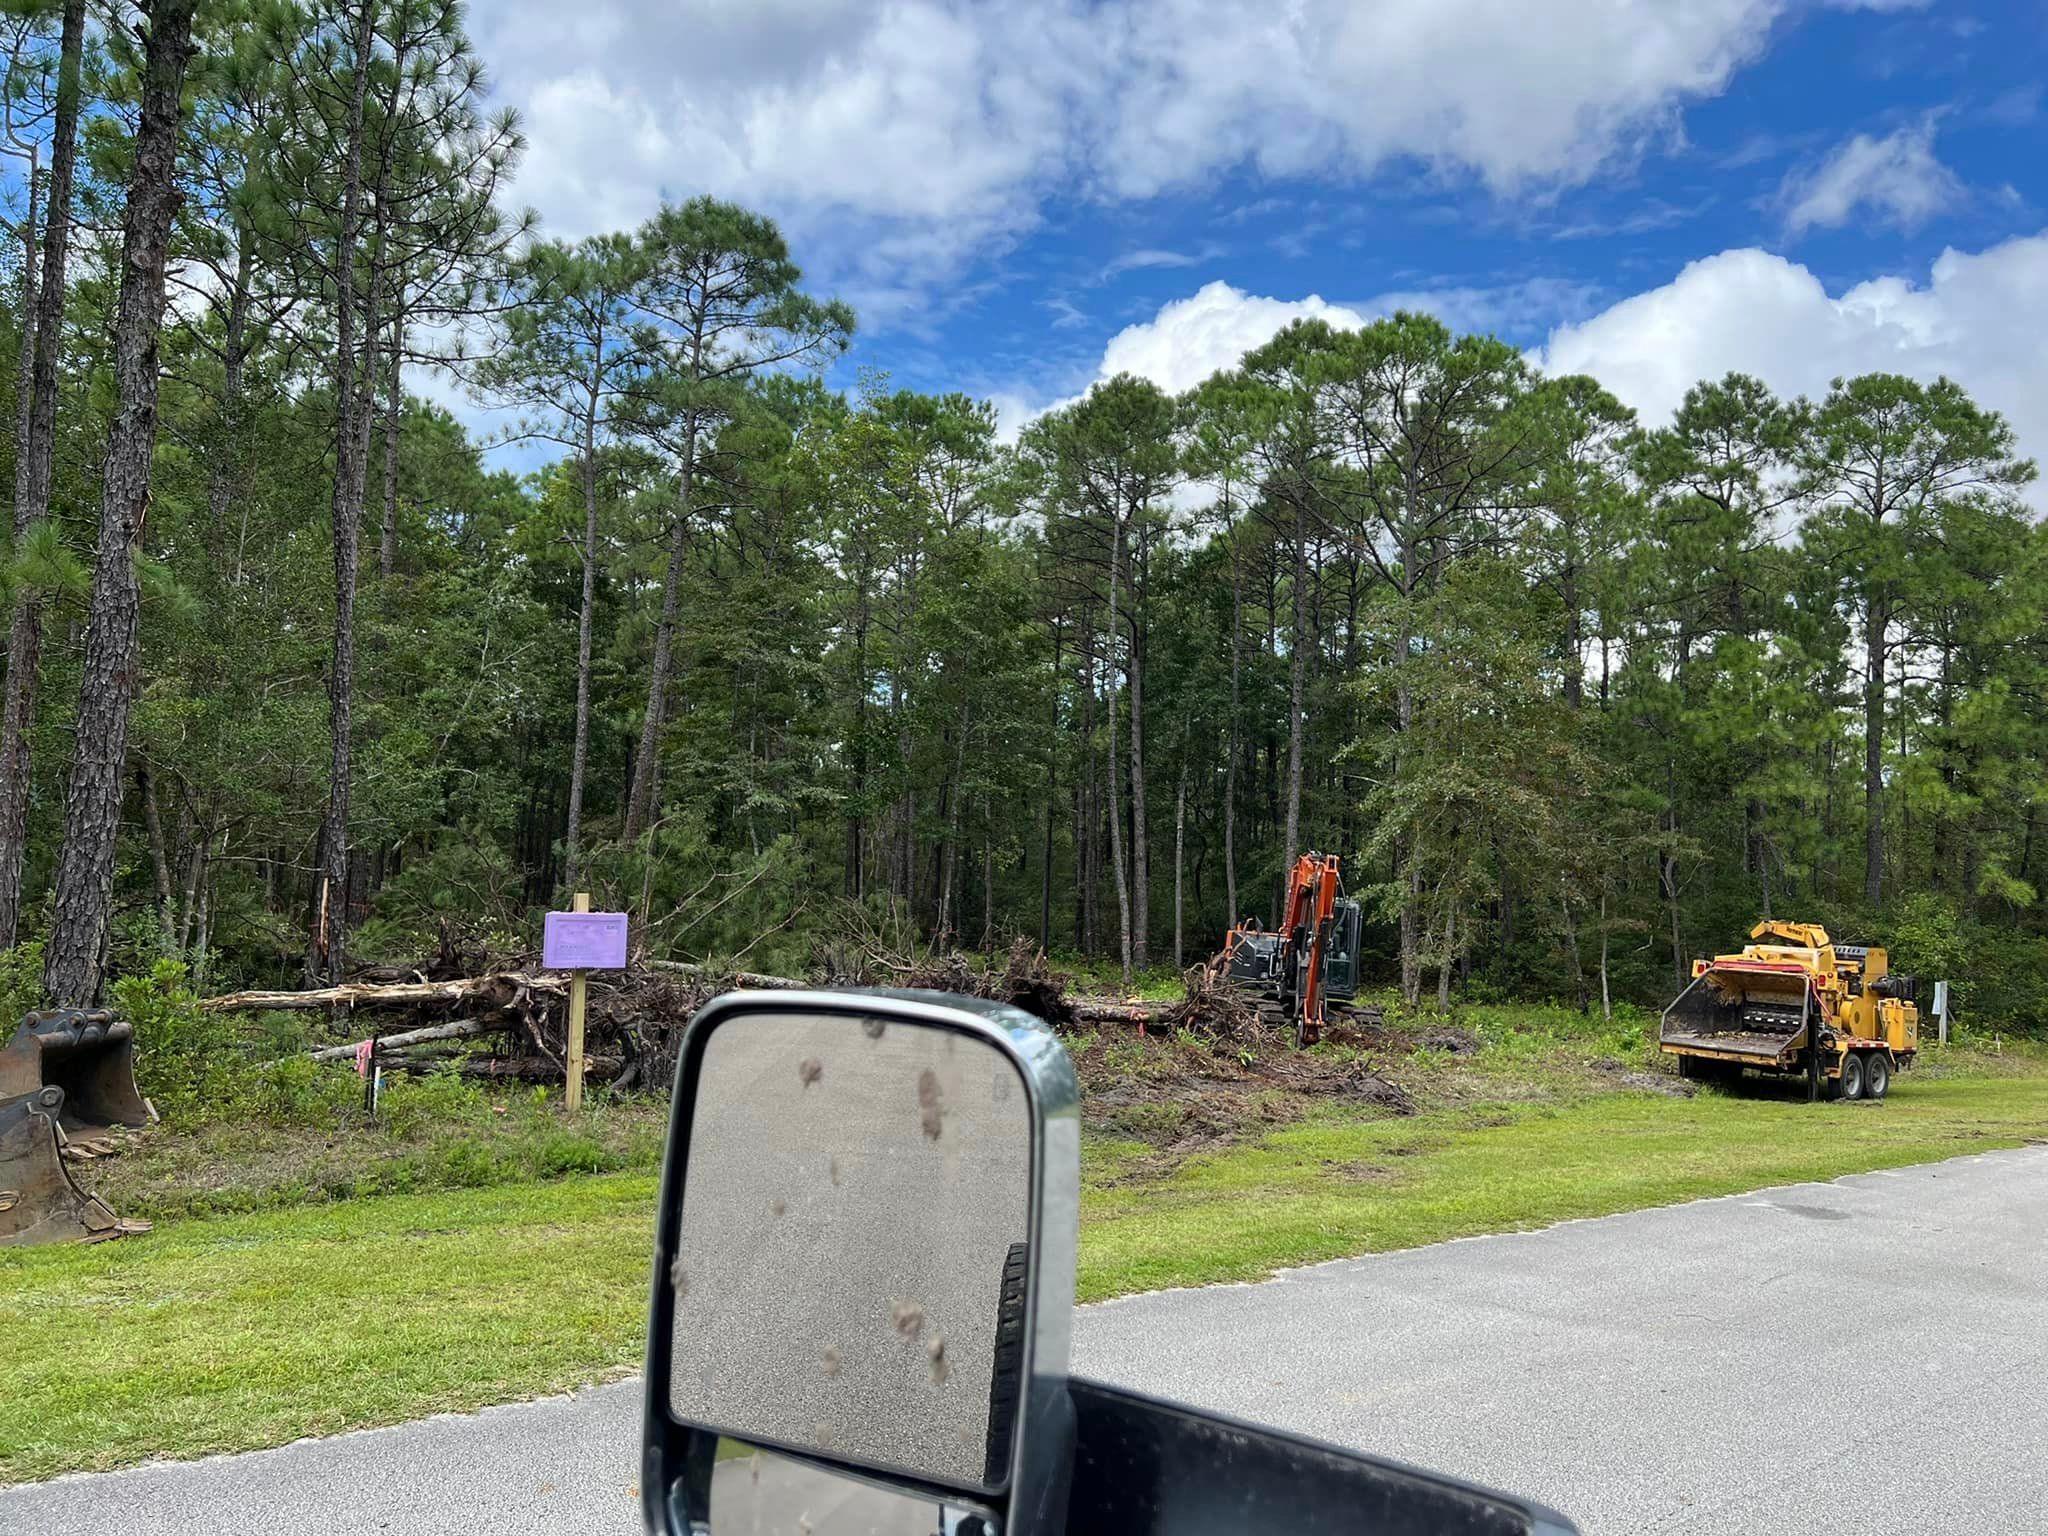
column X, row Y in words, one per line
column 1794, row 1002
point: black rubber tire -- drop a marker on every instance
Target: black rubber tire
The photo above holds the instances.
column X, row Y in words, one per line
column 1877, row 1076
column 1006, row 1385
column 1849, row 1087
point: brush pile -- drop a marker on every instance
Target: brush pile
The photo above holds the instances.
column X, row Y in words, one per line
column 503, row 1016
column 1214, row 1009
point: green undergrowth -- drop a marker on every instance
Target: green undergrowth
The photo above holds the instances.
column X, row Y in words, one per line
column 430, row 1133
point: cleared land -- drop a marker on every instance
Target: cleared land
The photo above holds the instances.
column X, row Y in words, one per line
column 236, row 1331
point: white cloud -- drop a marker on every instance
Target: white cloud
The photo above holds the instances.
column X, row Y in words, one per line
column 1897, row 177
column 947, row 121
column 1977, row 318
column 1212, row 329
column 1191, row 338
column 1134, row 261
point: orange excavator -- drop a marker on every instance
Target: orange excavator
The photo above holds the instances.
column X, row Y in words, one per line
column 1312, row 957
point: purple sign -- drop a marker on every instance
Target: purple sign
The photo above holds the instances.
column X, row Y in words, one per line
column 584, row 941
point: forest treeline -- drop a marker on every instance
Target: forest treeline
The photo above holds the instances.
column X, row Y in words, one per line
column 295, row 679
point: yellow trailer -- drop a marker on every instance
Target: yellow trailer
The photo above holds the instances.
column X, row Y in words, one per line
column 1794, row 1002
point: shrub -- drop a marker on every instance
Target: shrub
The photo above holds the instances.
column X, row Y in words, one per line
column 567, row 1152
column 188, row 1062
column 21, row 984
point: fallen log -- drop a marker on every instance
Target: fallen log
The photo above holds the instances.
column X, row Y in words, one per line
column 751, row 979
column 537, row 1069
column 1099, row 1010
column 385, row 995
column 1087, row 1010
column 460, row 1029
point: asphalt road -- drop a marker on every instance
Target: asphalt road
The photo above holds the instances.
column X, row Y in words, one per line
column 1856, row 1356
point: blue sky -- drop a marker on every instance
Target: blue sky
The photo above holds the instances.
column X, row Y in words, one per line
column 1020, row 197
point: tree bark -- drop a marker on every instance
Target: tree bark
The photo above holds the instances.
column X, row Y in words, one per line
column 325, row 943
column 1231, row 912
column 25, row 368
column 1574, row 662
column 1086, row 849
column 1571, row 930
column 225, row 465
column 1052, row 787
column 33, row 477
column 572, row 840
column 1606, row 1002
column 74, row 957
column 1297, row 679
column 1180, row 838
column 394, row 407
column 1141, row 842
column 459, row 1029
column 1875, row 624
column 640, row 811
column 159, row 856
column 1116, row 812
column 1443, row 972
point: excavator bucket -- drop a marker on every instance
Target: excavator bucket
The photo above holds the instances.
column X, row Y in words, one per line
column 88, row 1053
column 65, row 1077
column 39, row 1202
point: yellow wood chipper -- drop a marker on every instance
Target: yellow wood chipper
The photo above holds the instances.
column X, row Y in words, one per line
column 1793, row 1002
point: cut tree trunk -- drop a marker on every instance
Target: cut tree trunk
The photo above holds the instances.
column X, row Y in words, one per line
column 460, row 1029
column 75, row 952
column 388, row 994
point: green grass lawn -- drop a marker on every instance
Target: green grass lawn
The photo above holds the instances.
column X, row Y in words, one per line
column 1329, row 1186
column 233, row 1332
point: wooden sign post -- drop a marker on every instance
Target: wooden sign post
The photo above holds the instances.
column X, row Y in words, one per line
column 579, row 996
column 579, row 942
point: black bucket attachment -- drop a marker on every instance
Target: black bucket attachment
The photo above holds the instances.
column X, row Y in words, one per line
column 89, row 1054
column 65, row 1076
column 39, row 1202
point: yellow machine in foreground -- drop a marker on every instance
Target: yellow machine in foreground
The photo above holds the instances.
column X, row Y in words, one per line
column 1792, row 1002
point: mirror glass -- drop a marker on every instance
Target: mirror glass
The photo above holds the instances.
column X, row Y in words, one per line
column 757, row 1493
column 850, row 1261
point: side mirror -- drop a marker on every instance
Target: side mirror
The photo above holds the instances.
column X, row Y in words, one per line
column 864, row 1259
column 863, row 1297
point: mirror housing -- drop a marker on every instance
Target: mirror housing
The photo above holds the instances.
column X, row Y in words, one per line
column 1029, row 1494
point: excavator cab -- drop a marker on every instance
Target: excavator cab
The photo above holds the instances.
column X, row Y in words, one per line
column 66, row 1077
column 1347, row 934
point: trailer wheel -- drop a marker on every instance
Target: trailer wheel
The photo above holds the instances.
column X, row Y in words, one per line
column 1851, row 1087
column 1877, row 1076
